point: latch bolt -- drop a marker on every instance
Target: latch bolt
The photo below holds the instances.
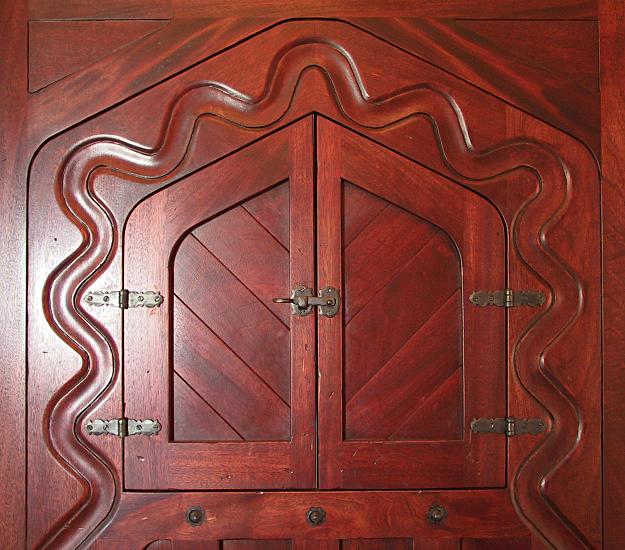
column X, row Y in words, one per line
column 303, row 300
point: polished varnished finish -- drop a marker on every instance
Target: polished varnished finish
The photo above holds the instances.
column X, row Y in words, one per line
column 133, row 130
column 232, row 344
column 613, row 147
column 388, row 369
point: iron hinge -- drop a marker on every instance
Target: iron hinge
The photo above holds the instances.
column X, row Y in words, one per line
column 123, row 427
column 508, row 298
column 124, row 298
column 508, row 426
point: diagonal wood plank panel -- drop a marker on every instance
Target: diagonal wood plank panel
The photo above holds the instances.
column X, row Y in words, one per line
column 403, row 360
column 231, row 342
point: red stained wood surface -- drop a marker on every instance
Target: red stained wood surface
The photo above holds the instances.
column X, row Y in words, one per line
column 613, row 202
column 229, row 345
column 92, row 9
column 389, row 371
column 13, row 176
column 283, row 515
column 171, row 167
column 532, row 9
column 60, row 48
column 509, row 58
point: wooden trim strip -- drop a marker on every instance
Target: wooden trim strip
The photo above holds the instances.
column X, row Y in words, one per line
column 13, row 175
column 143, row 517
column 612, row 39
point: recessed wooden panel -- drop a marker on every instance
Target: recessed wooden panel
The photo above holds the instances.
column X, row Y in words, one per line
column 231, row 342
column 403, row 322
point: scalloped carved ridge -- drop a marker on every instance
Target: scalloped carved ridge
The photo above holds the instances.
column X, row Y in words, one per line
column 100, row 360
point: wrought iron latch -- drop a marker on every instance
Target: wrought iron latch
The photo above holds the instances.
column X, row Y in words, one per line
column 508, row 426
column 124, row 298
column 303, row 300
column 507, row 298
column 123, row 427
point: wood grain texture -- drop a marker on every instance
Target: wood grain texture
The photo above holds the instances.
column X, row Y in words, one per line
column 549, row 46
column 480, row 9
column 544, row 214
column 381, row 347
column 228, row 344
column 13, row 180
column 568, row 94
column 283, row 515
column 134, row 68
column 60, row 48
column 92, row 9
column 383, row 388
column 613, row 201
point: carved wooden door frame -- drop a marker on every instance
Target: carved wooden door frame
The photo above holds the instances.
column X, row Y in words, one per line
column 562, row 170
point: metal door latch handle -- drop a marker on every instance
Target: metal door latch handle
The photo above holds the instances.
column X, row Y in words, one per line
column 303, row 300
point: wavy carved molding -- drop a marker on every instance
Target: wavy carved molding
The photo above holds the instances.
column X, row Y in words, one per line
column 100, row 361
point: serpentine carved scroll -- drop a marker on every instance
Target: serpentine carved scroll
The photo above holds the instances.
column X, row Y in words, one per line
column 73, row 402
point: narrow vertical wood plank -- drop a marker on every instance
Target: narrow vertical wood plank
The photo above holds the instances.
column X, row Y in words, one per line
column 13, row 173
column 329, row 273
column 302, row 271
column 612, row 37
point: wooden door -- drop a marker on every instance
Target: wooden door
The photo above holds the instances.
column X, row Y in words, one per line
column 411, row 361
column 229, row 374
column 223, row 161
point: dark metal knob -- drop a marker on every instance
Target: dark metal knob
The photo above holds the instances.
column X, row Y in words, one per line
column 436, row 514
column 316, row 516
column 195, row 515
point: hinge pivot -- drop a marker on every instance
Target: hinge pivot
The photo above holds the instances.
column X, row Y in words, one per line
column 123, row 427
column 507, row 298
column 508, row 426
column 124, row 298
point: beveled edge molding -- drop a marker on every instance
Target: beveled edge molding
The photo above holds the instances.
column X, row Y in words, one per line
column 79, row 395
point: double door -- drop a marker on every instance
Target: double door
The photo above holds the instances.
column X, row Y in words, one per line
column 253, row 393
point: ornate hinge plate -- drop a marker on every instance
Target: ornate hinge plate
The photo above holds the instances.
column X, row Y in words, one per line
column 509, row 426
column 123, row 427
column 124, row 298
column 507, row 298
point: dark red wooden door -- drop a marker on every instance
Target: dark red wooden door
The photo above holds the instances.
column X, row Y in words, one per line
column 230, row 374
column 410, row 362
column 405, row 161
